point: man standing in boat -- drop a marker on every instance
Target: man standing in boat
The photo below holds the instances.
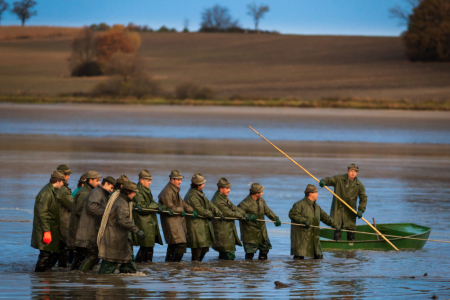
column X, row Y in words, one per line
column 305, row 241
column 348, row 188
column 254, row 233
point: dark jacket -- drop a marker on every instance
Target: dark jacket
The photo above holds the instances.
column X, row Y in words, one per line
column 46, row 218
column 65, row 207
column 77, row 208
column 91, row 217
column 115, row 244
column 174, row 227
column 147, row 221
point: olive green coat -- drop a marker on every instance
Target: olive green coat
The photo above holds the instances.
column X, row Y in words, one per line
column 46, row 218
column 77, row 208
column 65, row 207
column 306, row 242
column 145, row 220
column 114, row 245
column 251, row 232
column 349, row 192
column 174, row 227
column 225, row 231
column 200, row 231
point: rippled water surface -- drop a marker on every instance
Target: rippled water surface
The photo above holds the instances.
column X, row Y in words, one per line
column 400, row 190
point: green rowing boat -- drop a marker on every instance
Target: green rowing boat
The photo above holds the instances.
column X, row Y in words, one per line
column 370, row 242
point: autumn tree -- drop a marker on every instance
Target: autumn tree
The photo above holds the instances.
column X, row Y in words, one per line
column 3, row 8
column 117, row 39
column 257, row 12
column 23, row 10
column 428, row 35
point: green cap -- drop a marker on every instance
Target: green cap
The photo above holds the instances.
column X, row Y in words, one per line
column 131, row 186
column 57, row 174
column 64, row 168
column 256, row 188
column 223, row 183
column 353, row 167
column 175, row 174
column 122, row 179
column 92, row 175
column 310, row 189
column 110, row 180
column 198, row 179
column 82, row 178
column 145, row 174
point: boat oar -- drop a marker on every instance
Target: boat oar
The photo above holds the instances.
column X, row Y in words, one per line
column 296, row 224
column 337, row 197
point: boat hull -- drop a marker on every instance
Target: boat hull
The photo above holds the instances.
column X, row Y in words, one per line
column 370, row 242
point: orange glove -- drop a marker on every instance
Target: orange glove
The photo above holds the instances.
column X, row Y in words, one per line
column 47, row 237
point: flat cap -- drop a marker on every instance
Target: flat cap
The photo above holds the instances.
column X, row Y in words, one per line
column 64, row 168
column 110, row 180
column 198, row 179
column 145, row 174
column 310, row 188
column 256, row 188
column 92, row 175
column 57, row 174
column 175, row 174
column 131, row 186
column 122, row 179
column 223, row 183
column 353, row 167
column 82, row 178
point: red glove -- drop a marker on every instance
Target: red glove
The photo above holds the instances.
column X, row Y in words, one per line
column 47, row 237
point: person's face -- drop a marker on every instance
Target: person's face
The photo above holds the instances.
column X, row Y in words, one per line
column 352, row 174
column 59, row 184
column 131, row 195
column 66, row 177
column 94, row 182
column 200, row 188
column 313, row 196
column 108, row 186
column 145, row 182
column 176, row 181
column 225, row 191
column 259, row 195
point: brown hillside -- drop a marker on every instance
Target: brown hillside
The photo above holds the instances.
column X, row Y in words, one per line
column 310, row 67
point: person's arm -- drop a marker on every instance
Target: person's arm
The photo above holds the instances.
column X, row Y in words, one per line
column 226, row 211
column 269, row 213
column 167, row 200
column 329, row 181
column 295, row 214
column 215, row 210
column 362, row 198
column 326, row 219
column 43, row 204
column 195, row 203
column 123, row 219
column 186, row 207
column 139, row 200
column 66, row 199
column 93, row 205
column 79, row 203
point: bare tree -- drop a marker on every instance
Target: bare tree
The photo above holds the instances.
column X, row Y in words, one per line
column 403, row 13
column 84, row 47
column 218, row 17
column 3, row 7
column 22, row 10
column 257, row 12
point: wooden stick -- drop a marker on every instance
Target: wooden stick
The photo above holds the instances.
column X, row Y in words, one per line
column 342, row 201
column 375, row 225
column 296, row 224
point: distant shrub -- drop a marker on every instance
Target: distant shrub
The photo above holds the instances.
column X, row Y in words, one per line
column 189, row 90
column 428, row 34
column 139, row 87
column 163, row 29
column 89, row 68
column 117, row 39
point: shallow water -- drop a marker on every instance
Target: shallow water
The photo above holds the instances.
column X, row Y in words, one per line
column 400, row 190
column 183, row 122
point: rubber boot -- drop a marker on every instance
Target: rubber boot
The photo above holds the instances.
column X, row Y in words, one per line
column 150, row 255
column 263, row 254
column 107, row 267
column 318, row 256
column 79, row 258
column 298, row 257
column 87, row 265
column 62, row 261
column 178, row 257
column 170, row 255
column 52, row 260
column 141, row 257
column 249, row 256
column 41, row 265
column 350, row 236
column 71, row 257
column 196, row 253
column 202, row 256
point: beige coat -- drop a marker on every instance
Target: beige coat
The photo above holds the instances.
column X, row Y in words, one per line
column 174, row 227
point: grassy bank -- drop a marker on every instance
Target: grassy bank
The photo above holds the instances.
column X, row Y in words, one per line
column 322, row 103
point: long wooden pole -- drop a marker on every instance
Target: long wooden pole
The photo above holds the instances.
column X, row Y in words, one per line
column 325, row 187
